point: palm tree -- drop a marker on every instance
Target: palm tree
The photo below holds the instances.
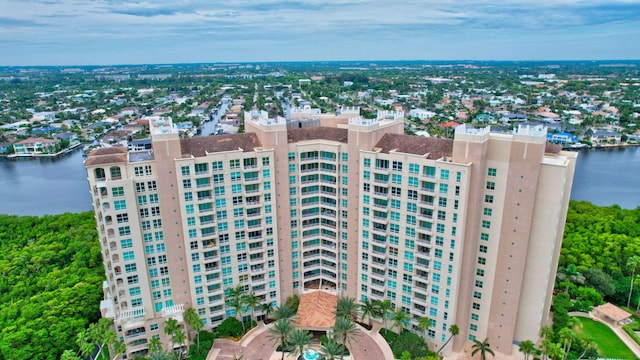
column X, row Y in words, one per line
column 633, row 261
column 252, row 302
column 423, row 324
column 399, row 318
column 453, row 331
column 369, row 308
column 69, row 355
column 234, row 300
column 179, row 337
column 161, row 355
column 118, row 348
column 170, row 328
column 280, row 331
column 192, row 319
column 331, row 350
column 589, row 346
column 84, row 343
column 347, row 307
column 345, row 329
column 299, row 339
column 267, row 308
column 385, row 306
column 554, row 351
column 527, row 347
column 283, row 312
column 483, row 348
column 154, row 345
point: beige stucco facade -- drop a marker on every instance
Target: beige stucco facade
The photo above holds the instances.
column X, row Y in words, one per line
column 464, row 231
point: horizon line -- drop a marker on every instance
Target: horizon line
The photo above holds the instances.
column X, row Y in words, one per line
column 329, row 61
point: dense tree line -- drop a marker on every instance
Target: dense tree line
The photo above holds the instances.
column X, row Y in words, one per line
column 50, row 284
column 598, row 249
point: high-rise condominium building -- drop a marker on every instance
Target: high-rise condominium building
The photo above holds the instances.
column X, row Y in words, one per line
column 464, row 231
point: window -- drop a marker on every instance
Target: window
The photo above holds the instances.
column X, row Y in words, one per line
column 124, row 230
column 491, row 185
column 186, row 183
column 185, row 170
column 492, row 172
column 479, row 284
column 152, row 185
column 126, row 243
column 484, row 237
column 444, row 188
column 122, row 218
column 234, row 164
column 476, row 306
column 117, row 191
column 483, row 249
column 488, row 199
column 444, row 174
column 129, row 268
column 442, row 202
column 482, row 261
column 486, row 224
column 120, row 205
column 487, row 211
column 397, row 166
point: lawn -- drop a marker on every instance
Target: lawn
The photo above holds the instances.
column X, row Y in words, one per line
column 609, row 345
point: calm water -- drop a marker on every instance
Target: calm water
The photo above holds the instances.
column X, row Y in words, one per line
column 55, row 186
column 44, row 186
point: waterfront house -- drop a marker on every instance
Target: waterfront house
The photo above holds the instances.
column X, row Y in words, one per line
column 35, row 146
column 562, row 138
column 606, row 137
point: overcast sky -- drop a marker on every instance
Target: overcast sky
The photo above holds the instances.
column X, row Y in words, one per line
column 102, row 32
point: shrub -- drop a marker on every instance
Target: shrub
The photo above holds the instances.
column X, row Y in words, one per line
column 410, row 342
column 230, row 327
column 206, row 342
column 629, row 330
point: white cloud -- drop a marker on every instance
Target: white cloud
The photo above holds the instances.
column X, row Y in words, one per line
column 272, row 28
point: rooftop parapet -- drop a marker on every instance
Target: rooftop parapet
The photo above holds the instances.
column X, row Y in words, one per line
column 349, row 110
column 161, row 125
column 262, row 118
column 383, row 118
column 306, row 110
column 526, row 130
column 470, row 130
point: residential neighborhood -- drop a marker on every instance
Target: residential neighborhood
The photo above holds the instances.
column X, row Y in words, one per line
column 45, row 111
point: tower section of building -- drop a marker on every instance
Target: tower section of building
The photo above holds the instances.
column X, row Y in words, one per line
column 181, row 224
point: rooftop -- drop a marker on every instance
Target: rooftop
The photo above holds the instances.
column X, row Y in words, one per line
column 418, row 145
column 314, row 133
column 199, row 146
column 316, row 310
column 106, row 155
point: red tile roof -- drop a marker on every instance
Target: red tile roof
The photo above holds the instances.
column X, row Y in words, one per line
column 316, row 310
column 418, row 145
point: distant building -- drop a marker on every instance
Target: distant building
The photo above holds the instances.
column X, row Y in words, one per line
column 35, row 146
column 562, row 138
column 600, row 137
